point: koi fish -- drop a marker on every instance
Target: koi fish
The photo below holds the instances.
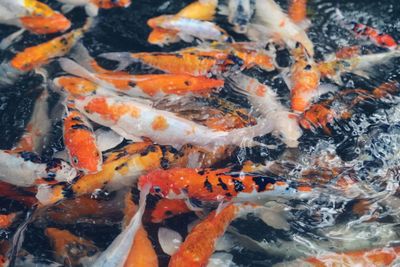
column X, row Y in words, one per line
column 36, row 56
column 199, row 10
column 132, row 119
column 200, row 243
column 298, row 11
column 254, row 57
column 32, row 15
column 217, row 185
column 366, row 32
column 120, row 169
column 188, row 29
column 361, row 65
column 167, row 208
column 75, row 86
column 240, row 13
column 92, row 6
column 80, row 141
column 305, row 79
column 146, row 85
column 265, row 101
column 69, row 249
column 142, row 253
column 192, row 62
column 372, row 257
column 277, row 24
column 24, row 169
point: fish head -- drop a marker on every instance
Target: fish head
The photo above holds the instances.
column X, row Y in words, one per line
column 158, row 21
column 158, row 181
column 60, row 171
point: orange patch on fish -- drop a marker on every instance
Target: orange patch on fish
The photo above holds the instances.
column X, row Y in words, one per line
column 166, row 208
column 6, row 220
column 298, row 10
column 114, row 112
column 76, row 85
column 159, row 124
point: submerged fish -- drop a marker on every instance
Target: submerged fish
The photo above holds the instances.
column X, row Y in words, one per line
column 218, row 185
column 92, row 6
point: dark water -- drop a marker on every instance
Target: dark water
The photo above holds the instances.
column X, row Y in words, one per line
column 367, row 145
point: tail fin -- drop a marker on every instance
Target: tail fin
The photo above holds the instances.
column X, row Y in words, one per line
column 80, row 54
column 124, row 59
column 74, row 68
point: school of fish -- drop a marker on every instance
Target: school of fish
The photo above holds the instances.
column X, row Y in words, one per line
column 161, row 168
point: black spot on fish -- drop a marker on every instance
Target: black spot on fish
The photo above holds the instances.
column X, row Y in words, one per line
column 222, row 184
column 121, row 154
column 201, row 172
column 148, row 149
column 81, row 127
column 164, row 163
column 228, row 194
column 121, row 166
column 78, row 119
column 178, row 56
column 30, row 156
column 208, row 186
column 308, row 67
column 238, row 185
column 188, row 83
column 64, row 41
column 131, row 84
column 262, row 182
column 68, row 192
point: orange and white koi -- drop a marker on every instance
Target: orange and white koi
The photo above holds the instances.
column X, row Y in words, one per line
column 199, row 10
column 33, row 16
column 366, row 32
column 39, row 55
column 68, row 248
column 92, row 6
column 265, row 102
column 145, row 85
column 188, row 29
column 80, row 141
column 132, row 119
column 218, row 185
column 24, row 169
column 142, row 253
column 121, row 168
column 277, row 24
column 188, row 61
column 305, row 79
column 372, row 257
column 167, row 208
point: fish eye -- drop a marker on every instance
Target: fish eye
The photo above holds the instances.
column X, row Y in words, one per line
column 308, row 67
column 157, row 189
column 75, row 160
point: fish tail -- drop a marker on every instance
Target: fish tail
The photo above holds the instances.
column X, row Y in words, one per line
column 74, row 68
column 8, row 74
column 124, row 59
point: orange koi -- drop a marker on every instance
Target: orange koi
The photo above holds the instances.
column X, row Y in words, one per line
column 252, row 57
column 200, row 243
column 374, row 257
column 298, row 10
column 305, row 78
column 146, row 85
column 36, row 56
column 69, row 249
column 216, row 185
column 6, row 220
column 167, row 208
column 121, row 169
column 189, row 61
column 142, row 253
column 46, row 25
column 75, row 86
column 80, row 141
